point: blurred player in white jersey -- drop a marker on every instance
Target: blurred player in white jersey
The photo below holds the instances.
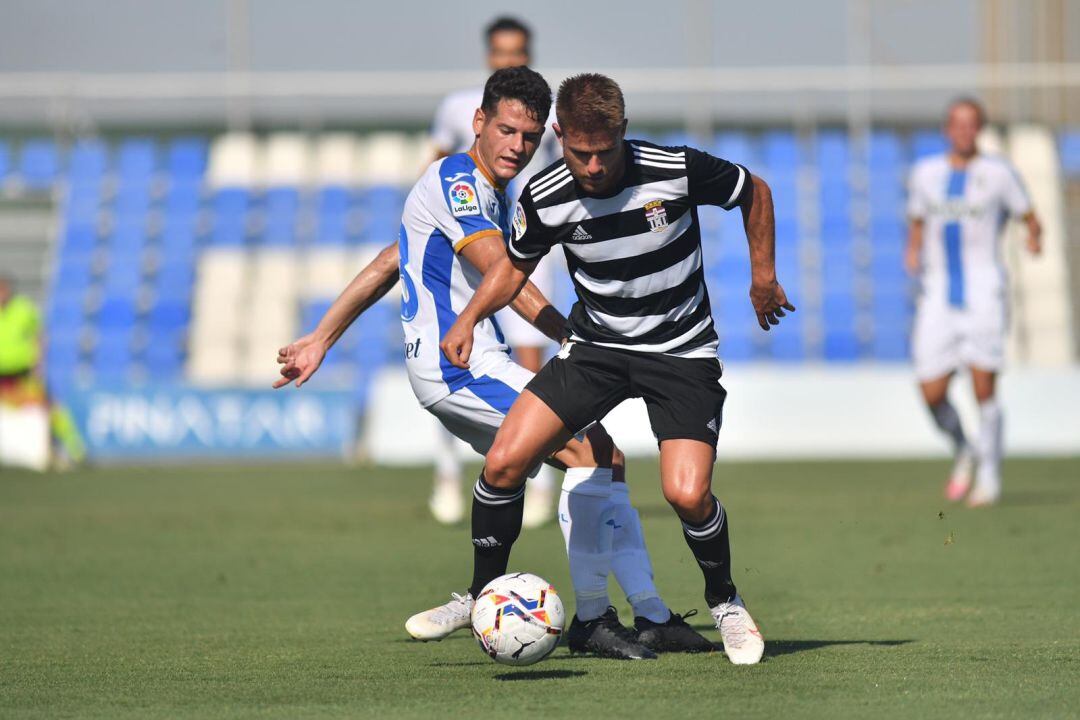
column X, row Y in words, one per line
column 508, row 45
column 957, row 207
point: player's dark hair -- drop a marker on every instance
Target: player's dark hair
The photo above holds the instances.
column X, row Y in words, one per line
column 505, row 23
column 589, row 103
column 518, row 83
column 972, row 103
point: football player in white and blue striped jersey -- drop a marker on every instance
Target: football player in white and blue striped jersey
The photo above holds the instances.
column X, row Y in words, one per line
column 958, row 204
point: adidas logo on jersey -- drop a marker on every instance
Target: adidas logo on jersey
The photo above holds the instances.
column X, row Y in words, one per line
column 581, row 234
column 713, row 426
column 488, row 542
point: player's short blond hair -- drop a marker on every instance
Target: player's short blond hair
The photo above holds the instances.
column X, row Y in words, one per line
column 590, row 103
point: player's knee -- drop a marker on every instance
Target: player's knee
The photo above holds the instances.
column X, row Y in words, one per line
column 934, row 398
column 503, row 469
column 689, row 499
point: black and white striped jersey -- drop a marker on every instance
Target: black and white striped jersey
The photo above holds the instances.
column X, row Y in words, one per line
column 634, row 256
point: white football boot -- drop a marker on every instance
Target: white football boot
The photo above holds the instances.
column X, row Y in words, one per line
column 447, row 504
column 987, row 490
column 437, row 623
column 742, row 639
column 960, row 479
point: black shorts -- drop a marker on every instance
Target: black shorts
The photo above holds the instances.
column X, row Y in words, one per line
column 684, row 397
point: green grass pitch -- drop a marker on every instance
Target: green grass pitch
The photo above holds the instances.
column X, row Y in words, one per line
column 281, row 591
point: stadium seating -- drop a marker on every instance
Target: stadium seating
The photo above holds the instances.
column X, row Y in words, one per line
column 189, row 259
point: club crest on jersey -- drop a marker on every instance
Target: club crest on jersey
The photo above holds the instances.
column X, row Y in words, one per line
column 463, row 199
column 519, row 222
column 656, row 214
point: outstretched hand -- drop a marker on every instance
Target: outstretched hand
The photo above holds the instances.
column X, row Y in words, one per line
column 457, row 344
column 300, row 360
column 770, row 302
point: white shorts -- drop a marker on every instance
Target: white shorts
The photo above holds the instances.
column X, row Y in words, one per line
column 517, row 332
column 475, row 412
column 946, row 339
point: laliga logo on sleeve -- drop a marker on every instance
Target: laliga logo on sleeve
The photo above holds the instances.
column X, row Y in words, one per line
column 463, row 199
column 519, row 222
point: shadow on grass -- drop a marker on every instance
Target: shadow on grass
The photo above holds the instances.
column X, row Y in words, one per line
column 540, row 675
column 459, row 664
column 775, row 648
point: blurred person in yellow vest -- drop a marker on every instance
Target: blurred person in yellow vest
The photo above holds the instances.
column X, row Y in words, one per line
column 21, row 376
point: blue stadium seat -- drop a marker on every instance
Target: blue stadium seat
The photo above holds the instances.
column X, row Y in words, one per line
column 787, row 342
column 79, row 239
column 174, row 281
column 835, row 200
column 781, row 153
column 72, row 274
column 163, row 359
column 840, row 346
column 927, row 142
column 65, row 314
column 169, row 314
column 5, row 160
column 382, row 205
column 890, row 346
column 887, row 197
column 132, row 203
column 737, row 147
column 39, row 163
column 230, row 216
column 136, row 161
column 833, row 156
column 887, row 153
column 88, row 163
column 117, row 312
column 838, row 309
column 785, row 194
column 311, row 313
column 333, row 204
column 187, row 159
column 178, row 240
column 112, row 357
column 128, row 238
column 182, row 201
column 1068, row 151
column 282, row 205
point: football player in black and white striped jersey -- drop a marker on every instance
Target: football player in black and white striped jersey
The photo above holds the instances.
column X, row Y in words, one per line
column 625, row 212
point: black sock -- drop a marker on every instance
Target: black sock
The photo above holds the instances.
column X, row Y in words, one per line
column 709, row 543
column 496, row 524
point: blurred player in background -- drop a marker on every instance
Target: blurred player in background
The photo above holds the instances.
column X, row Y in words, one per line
column 21, row 379
column 508, row 45
column 957, row 207
column 454, row 227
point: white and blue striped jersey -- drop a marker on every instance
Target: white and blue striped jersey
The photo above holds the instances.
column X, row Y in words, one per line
column 963, row 212
column 453, row 204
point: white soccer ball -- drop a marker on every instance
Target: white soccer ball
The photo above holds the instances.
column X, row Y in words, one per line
column 518, row 619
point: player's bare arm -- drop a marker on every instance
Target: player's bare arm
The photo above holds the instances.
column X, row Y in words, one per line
column 1034, row 236
column 501, row 284
column 913, row 250
column 766, row 293
column 530, row 303
column 300, row 359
